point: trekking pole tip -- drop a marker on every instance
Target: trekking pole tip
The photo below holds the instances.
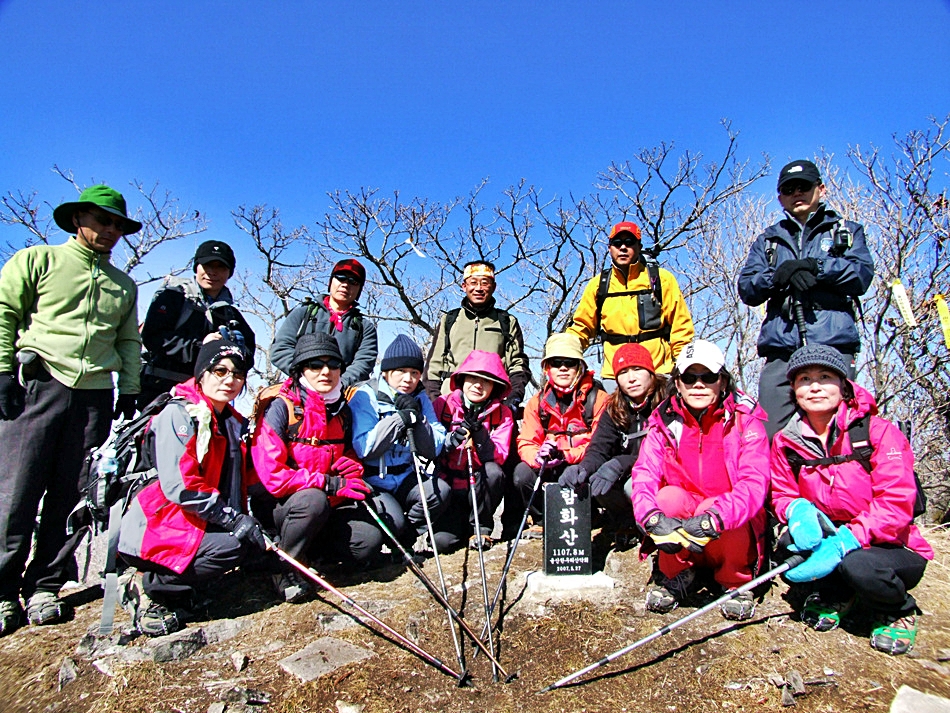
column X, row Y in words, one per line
column 464, row 679
column 512, row 677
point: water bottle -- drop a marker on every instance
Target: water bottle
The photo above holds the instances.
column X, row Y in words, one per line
column 108, row 471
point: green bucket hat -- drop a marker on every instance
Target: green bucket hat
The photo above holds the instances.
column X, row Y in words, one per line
column 101, row 196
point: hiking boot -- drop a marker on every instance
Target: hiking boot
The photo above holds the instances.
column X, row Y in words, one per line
column 291, row 587
column 156, row 620
column 664, row 598
column 11, row 616
column 894, row 634
column 480, row 542
column 821, row 615
column 44, row 608
column 739, row 608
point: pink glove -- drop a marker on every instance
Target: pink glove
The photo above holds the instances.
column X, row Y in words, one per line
column 549, row 453
column 347, row 467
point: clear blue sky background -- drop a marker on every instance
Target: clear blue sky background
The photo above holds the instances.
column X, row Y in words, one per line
column 277, row 102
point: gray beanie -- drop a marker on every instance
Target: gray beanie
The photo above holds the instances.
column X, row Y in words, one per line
column 817, row 355
column 403, row 353
column 313, row 346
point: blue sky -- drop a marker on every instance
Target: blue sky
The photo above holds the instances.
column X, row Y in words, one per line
column 277, row 102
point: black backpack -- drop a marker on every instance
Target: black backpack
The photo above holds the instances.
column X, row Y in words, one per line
column 649, row 306
column 504, row 323
column 588, row 414
column 859, row 433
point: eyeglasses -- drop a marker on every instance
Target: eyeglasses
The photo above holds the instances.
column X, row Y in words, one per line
column 793, row 187
column 707, row 377
column 346, row 278
column 222, row 372
column 107, row 221
column 475, row 282
column 628, row 242
column 556, row 363
column 318, row 364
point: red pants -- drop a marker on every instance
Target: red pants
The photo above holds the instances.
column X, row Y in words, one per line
column 731, row 558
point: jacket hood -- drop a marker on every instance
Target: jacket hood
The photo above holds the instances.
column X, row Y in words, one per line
column 485, row 364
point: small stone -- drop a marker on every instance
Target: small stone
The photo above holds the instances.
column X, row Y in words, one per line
column 224, row 629
column 239, row 661
column 217, row 707
column 321, row 657
column 344, row 707
column 910, row 700
column 943, row 654
column 795, row 682
column 736, row 685
column 104, row 666
column 68, row 672
column 177, row 646
column 776, row 680
column 788, row 698
column 829, row 671
column 936, row 667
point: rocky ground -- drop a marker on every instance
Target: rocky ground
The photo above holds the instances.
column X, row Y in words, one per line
column 239, row 659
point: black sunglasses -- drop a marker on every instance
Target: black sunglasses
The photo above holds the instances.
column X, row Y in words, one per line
column 556, row 363
column 347, row 278
column 628, row 242
column 707, row 377
column 793, row 187
column 107, row 221
column 318, row 364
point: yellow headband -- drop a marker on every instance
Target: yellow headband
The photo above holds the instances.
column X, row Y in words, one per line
column 478, row 270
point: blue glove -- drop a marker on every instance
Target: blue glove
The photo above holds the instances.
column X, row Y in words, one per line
column 823, row 561
column 807, row 525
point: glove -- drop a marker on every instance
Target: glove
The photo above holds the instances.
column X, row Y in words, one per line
column 473, row 423
column 11, row 397
column 802, row 281
column 125, row 407
column 407, row 402
column 700, row 529
column 409, row 418
column 352, row 487
column 783, row 273
column 573, row 477
column 806, row 525
column 664, row 532
column 246, row 529
column 823, row 560
column 457, row 437
column 347, row 468
column 550, row 454
column 605, row 478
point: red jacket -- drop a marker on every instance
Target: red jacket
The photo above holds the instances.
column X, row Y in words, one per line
column 569, row 429
column 877, row 506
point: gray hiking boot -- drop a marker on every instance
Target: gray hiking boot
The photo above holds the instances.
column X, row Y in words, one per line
column 44, row 608
column 666, row 596
column 11, row 617
column 291, row 587
column 148, row 617
column 739, row 608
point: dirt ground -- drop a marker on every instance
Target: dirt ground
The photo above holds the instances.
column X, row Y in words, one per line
column 708, row 664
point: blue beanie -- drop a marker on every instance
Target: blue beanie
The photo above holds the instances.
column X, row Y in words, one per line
column 403, row 353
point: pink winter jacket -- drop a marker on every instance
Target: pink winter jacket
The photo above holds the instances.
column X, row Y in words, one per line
column 877, row 506
column 745, row 459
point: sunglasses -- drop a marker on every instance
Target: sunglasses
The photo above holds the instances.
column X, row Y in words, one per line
column 107, row 221
column 318, row 364
column 347, row 278
column 707, row 377
column 222, row 372
column 628, row 242
column 793, row 187
column 563, row 363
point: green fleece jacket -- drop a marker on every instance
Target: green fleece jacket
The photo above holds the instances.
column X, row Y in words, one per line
column 76, row 310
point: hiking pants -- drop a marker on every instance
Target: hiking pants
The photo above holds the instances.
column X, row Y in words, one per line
column 525, row 477
column 457, row 523
column 42, row 456
column 403, row 507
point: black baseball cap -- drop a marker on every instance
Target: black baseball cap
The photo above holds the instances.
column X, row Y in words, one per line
column 800, row 170
column 214, row 250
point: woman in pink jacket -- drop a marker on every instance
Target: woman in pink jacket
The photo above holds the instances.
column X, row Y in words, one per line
column 700, row 482
column 303, row 454
column 479, row 426
column 843, row 481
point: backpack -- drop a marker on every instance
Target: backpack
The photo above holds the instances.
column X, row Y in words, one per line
column 649, row 306
column 109, row 490
column 859, row 433
column 504, row 322
column 588, row 414
column 295, row 416
column 311, row 315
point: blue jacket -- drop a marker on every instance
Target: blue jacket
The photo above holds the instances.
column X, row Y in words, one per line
column 828, row 308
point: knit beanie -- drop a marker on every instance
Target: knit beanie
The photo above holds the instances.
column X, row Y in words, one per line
column 313, row 346
column 403, row 353
column 817, row 355
column 216, row 350
column 630, row 355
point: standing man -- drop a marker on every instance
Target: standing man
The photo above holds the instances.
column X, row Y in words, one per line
column 68, row 324
column 811, row 267
column 633, row 301
column 477, row 324
column 186, row 313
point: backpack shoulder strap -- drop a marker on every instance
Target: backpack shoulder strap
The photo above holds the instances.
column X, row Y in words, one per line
column 603, row 286
column 450, row 318
column 312, row 307
column 859, row 433
column 504, row 321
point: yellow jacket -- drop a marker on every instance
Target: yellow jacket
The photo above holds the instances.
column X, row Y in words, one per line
column 621, row 315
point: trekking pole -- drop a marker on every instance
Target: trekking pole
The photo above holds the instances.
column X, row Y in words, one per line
column 511, row 552
column 433, row 590
column 800, row 319
column 312, row 574
column 791, row 562
column 481, row 555
column 435, row 551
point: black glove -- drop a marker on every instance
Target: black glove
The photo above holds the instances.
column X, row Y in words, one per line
column 457, row 437
column 664, row 532
column 407, row 402
column 700, row 529
column 783, row 273
column 605, row 478
column 247, row 529
column 473, row 423
column 409, row 418
column 11, row 397
column 573, row 477
column 125, row 407
column 802, row 281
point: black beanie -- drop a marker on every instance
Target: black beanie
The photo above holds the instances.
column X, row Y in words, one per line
column 312, row 346
column 403, row 353
column 216, row 350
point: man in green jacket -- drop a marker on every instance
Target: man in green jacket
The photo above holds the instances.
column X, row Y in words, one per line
column 68, row 325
